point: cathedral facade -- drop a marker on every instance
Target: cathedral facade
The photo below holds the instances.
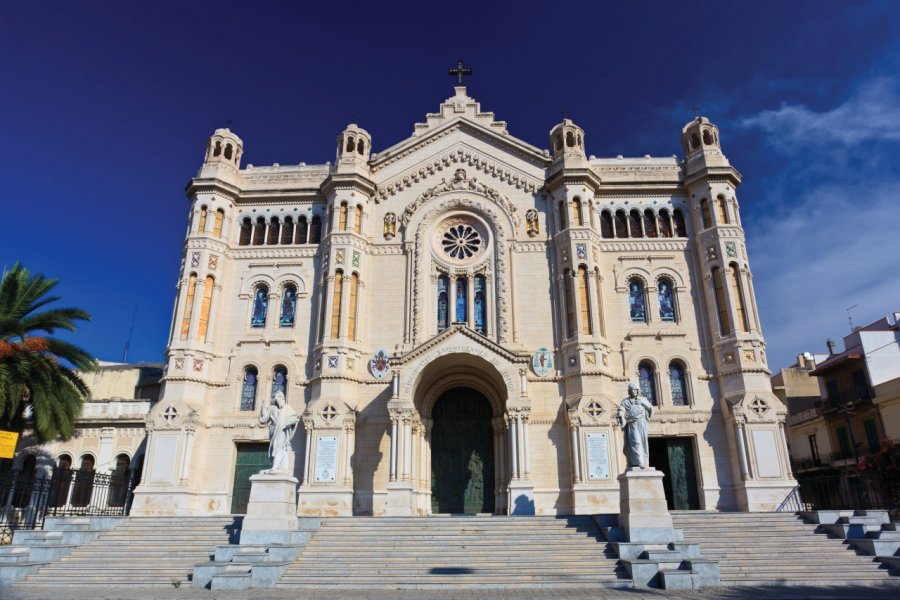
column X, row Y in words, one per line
column 456, row 318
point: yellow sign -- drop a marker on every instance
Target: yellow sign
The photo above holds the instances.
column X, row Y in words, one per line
column 8, row 443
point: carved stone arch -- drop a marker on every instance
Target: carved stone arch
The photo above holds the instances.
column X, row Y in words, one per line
column 283, row 281
column 425, row 403
column 672, row 274
column 249, row 285
column 502, row 229
column 639, row 273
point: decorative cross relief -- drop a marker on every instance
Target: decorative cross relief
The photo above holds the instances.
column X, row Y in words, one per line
column 759, row 407
column 593, row 410
column 329, row 413
column 170, row 414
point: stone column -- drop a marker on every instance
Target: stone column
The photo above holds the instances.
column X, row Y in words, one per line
column 513, row 442
column 393, row 471
column 576, row 450
column 329, row 306
column 742, row 450
column 592, row 300
column 526, row 448
column 307, row 429
column 407, row 446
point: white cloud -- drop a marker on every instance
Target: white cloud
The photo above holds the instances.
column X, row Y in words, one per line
column 838, row 246
column 872, row 113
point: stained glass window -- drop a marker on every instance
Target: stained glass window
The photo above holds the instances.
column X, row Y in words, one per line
column 462, row 308
column 302, row 230
column 666, row 298
column 443, row 308
column 678, row 384
column 479, row 305
column 647, row 382
column 606, row 225
column 260, row 306
column 279, row 381
column 636, row 301
column 248, row 391
column 288, row 306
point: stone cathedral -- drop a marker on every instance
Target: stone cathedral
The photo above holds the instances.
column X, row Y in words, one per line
column 456, row 318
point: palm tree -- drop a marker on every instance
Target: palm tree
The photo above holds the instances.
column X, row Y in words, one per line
column 39, row 374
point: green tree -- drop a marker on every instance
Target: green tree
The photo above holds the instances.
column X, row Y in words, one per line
column 39, row 374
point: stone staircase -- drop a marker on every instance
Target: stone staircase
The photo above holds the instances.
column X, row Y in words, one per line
column 776, row 548
column 142, row 552
column 455, row 552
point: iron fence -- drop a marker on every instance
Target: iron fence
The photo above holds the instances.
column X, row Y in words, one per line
column 839, row 492
column 28, row 498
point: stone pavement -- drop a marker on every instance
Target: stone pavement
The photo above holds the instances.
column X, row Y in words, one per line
column 721, row 593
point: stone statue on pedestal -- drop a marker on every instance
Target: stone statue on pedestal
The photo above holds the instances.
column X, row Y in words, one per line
column 282, row 420
column 633, row 416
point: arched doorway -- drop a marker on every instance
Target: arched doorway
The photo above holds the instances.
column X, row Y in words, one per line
column 462, row 453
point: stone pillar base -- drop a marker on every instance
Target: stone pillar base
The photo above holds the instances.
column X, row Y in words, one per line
column 400, row 499
column 763, row 496
column 643, row 512
column 590, row 500
column 325, row 501
column 521, row 498
column 273, row 503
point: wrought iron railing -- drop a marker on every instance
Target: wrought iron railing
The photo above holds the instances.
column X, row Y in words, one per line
column 26, row 499
column 857, row 491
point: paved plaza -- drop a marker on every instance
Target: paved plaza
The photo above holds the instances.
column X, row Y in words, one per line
column 723, row 593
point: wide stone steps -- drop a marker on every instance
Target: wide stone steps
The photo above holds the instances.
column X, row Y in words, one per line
column 142, row 551
column 775, row 548
column 454, row 552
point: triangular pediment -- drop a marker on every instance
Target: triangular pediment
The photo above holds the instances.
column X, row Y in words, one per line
column 461, row 337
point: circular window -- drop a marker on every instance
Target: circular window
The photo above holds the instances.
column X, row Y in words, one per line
column 461, row 242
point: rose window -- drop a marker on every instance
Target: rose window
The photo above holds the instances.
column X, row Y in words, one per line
column 461, row 242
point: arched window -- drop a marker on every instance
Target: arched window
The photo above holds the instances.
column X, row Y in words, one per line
column 650, row 223
column 25, row 487
column 336, row 304
column 680, row 229
column 259, row 234
column 480, row 304
column 647, row 380
column 570, row 139
column 302, row 231
column 218, row 149
column 352, row 309
column 571, row 326
column 678, row 383
column 707, row 137
column 246, row 232
column 665, row 224
column 288, row 306
column 695, row 141
column 606, row 225
column 462, row 300
column 559, row 141
column 201, row 224
column 188, row 306
column 577, row 219
column 342, row 217
column 61, row 481
column 737, row 292
column 217, row 224
column 248, row 389
column 722, row 209
column 360, row 147
column 205, row 307
column 274, row 229
column 705, row 213
column 636, row 310
column 350, row 143
column 443, row 303
column 621, row 224
column 315, row 230
column 279, row 381
column 118, row 485
column 666, row 296
column 634, row 223
column 84, row 482
column 228, row 151
column 561, row 211
column 721, row 306
column 287, row 231
column 357, row 219
column 260, row 306
column 64, row 461
column 584, row 301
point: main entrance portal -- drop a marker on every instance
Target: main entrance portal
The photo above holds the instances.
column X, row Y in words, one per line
column 462, row 453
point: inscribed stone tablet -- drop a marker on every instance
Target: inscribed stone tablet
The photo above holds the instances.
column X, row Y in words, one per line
column 597, row 456
column 767, row 462
column 326, row 458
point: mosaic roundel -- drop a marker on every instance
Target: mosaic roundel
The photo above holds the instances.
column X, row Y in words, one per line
column 460, row 239
column 461, row 242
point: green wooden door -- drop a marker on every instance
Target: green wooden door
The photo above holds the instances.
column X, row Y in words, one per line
column 251, row 459
column 674, row 456
column 462, row 454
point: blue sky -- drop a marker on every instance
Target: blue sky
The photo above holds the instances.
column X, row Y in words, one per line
column 105, row 109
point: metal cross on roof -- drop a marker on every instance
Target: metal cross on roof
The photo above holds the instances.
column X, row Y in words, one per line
column 460, row 70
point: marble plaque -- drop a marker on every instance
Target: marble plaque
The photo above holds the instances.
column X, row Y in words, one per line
column 767, row 463
column 326, row 458
column 597, row 456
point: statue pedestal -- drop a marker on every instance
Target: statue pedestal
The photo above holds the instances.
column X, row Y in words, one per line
column 272, row 506
column 643, row 512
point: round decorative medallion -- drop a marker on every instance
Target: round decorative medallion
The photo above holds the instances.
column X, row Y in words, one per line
column 460, row 239
column 380, row 365
column 542, row 362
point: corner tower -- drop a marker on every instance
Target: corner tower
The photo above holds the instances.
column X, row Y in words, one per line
column 754, row 417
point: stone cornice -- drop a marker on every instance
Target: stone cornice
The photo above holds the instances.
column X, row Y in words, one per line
column 644, row 245
column 263, row 252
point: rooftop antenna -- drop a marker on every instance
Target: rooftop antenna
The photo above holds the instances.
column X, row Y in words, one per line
column 130, row 333
column 850, row 318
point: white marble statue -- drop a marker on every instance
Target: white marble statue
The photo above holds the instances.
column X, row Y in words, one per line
column 633, row 416
column 282, row 420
